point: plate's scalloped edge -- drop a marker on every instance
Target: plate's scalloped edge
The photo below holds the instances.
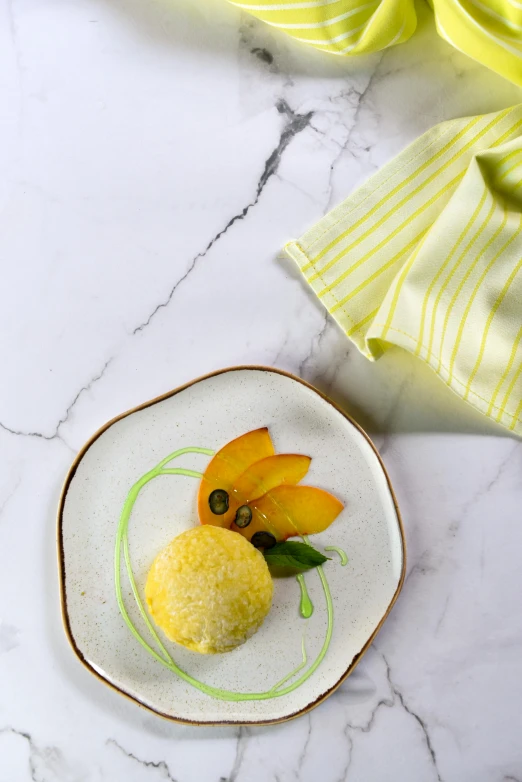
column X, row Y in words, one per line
column 61, row 563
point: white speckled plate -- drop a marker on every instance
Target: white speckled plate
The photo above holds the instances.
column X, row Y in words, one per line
column 208, row 413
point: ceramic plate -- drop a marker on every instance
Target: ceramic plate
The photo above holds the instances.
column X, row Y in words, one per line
column 208, row 413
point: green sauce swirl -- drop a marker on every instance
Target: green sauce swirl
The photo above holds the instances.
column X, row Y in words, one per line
column 165, row 658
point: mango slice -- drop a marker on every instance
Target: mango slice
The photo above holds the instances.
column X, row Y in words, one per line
column 226, row 467
column 250, row 473
column 264, row 475
column 289, row 510
column 268, row 473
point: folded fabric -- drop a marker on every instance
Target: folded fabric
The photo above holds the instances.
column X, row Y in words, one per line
column 490, row 31
column 427, row 255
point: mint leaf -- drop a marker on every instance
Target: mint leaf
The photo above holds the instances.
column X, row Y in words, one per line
column 299, row 556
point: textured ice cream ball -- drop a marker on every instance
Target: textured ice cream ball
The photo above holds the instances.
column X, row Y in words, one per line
column 209, row 590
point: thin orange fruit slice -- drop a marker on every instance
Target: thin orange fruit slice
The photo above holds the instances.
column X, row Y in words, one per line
column 262, row 476
column 226, row 467
column 266, row 474
column 289, row 510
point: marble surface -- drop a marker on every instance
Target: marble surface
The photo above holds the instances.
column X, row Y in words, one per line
column 154, row 158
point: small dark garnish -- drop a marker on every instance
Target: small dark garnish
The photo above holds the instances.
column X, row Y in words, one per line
column 263, row 540
column 243, row 516
column 218, row 501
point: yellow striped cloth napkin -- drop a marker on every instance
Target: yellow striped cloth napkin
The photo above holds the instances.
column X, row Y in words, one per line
column 427, row 255
column 490, row 31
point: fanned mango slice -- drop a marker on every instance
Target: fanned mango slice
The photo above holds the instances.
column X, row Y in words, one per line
column 249, row 473
column 268, row 473
column 288, row 510
column 264, row 475
column 226, row 467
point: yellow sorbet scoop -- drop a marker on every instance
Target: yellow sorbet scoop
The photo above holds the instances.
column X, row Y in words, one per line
column 209, row 590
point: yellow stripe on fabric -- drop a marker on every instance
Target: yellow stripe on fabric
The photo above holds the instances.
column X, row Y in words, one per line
column 390, row 195
column 478, row 284
column 362, row 322
column 341, row 37
column 367, row 43
column 500, row 116
column 464, row 280
column 516, row 153
column 450, row 276
column 510, row 39
column 456, row 380
column 490, row 12
column 398, row 287
column 326, row 22
column 398, row 35
column 505, row 372
column 509, row 157
column 440, row 271
column 405, row 250
column 487, row 30
column 477, row 41
column 334, row 41
column 489, row 321
column 432, row 272
column 386, row 23
column 516, row 415
column 418, row 153
column 495, row 38
column 508, row 392
column 407, row 197
column 390, row 236
column 509, row 132
column 285, row 6
column 469, row 22
column 448, row 279
column 511, row 168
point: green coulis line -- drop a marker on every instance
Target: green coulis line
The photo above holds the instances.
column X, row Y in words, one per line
column 306, row 607
column 296, row 669
column 167, row 661
column 342, row 554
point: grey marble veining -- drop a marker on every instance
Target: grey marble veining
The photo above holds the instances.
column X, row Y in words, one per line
column 155, row 158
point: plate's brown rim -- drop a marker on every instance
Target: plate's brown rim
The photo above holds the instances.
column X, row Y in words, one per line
column 61, row 563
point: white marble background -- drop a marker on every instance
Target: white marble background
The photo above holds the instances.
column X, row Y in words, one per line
column 154, row 157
